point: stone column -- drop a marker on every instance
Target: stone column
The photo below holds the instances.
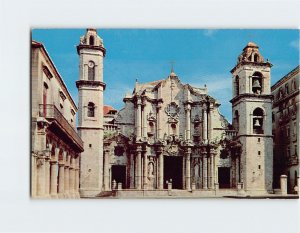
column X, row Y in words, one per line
column 212, row 169
column 237, row 166
column 53, row 179
column 188, row 169
column 208, row 173
column 204, row 170
column 40, row 176
column 61, row 179
column 145, row 175
column 144, row 121
column 283, row 184
column 161, row 171
column 138, row 119
column 139, row 168
column 188, row 121
column 71, row 177
column 77, row 180
column 204, row 124
column 47, row 176
column 67, row 179
column 106, row 170
column 131, row 170
column 158, row 110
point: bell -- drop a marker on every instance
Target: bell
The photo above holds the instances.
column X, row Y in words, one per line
column 257, row 123
column 256, row 84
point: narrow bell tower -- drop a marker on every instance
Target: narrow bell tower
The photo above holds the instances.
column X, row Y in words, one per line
column 90, row 112
column 252, row 119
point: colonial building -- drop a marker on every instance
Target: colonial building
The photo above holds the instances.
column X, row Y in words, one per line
column 172, row 135
column 285, row 124
column 56, row 146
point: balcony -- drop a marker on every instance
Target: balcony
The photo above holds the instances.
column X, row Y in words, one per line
column 61, row 125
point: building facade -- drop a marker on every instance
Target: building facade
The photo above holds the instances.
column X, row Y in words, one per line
column 285, row 124
column 56, row 146
column 171, row 134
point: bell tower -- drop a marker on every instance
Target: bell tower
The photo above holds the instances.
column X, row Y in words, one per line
column 90, row 112
column 252, row 119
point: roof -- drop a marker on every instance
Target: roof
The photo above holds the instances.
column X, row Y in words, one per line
column 107, row 109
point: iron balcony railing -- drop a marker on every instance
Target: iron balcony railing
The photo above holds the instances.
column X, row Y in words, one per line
column 50, row 112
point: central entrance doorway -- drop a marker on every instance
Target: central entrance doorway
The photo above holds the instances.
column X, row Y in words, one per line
column 224, row 177
column 173, row 171
column 118, row 173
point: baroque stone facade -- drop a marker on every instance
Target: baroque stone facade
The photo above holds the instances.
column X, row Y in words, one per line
column 173, row 135
column 56, row 146
column 285, row 125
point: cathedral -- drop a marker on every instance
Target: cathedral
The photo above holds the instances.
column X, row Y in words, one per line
column 170, row 138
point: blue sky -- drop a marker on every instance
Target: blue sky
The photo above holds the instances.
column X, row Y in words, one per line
column 200, row 56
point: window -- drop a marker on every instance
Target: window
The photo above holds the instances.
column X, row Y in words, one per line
column 173, row 127
column 91, row 110
column 257, row 86
column 255, row 58
column 151, row 126
column 91, row 40
column 45, row 99
column 259, row 152
column 258, row 140
column 236, row 120
column 258, row 166
column 119, row 151
column 296, row 148
column 237, row 85
column 258, row 115
column 286, row 88
column 91, row 71
column 90, row 145
column 294, row 87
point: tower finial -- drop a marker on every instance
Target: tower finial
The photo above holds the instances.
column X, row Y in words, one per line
column 172, row 66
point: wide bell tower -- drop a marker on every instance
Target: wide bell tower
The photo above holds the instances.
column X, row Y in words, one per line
column 252, row 119
column 90, row 112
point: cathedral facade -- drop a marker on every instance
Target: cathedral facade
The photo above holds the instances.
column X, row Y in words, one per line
column 172, row 136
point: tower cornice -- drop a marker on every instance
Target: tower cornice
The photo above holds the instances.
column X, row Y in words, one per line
column 90, row 83
column 248, row 95
column 93, row 47
column 243, row 63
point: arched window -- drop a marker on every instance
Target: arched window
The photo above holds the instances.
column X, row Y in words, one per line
column 173, row 128
column 151, row 126
column 257, row 84
column 237, row 85
column 91, row 109
column 236, row 120
column 255, row 58
column 91, row 40
column 258, row 115
column 91, row 71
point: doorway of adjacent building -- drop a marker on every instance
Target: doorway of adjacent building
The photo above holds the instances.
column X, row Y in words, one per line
column 224, row 177
column 173, row 171
column 118, row 173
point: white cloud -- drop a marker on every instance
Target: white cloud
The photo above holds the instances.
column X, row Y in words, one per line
column 295, row 44
column 209, row 32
